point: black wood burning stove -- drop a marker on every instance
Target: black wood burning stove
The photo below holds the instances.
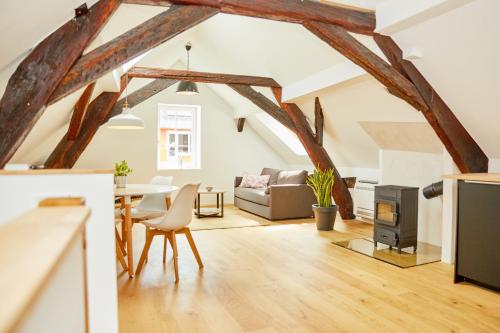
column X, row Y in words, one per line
column 396, row 216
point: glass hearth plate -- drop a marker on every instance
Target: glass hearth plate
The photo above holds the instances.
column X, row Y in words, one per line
column 426, row 253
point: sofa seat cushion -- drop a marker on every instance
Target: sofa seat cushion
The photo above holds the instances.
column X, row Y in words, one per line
column 256, row 195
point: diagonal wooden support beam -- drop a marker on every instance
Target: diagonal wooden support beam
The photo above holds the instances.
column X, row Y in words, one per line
column 293, row 118
column 293, row 11
column 129, row 45
column 319, row 121
column 38, row 75
column 320, row 159
column 67, row 151
column 160, row 73
column 351, row 48
column 79, row 112
column 263, row 103
column 140, row 95
column 466, row 153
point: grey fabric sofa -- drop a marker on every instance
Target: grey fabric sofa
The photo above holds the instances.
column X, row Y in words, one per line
column 287, row 196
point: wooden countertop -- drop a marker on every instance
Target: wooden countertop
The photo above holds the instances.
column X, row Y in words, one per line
column 31, row 247
column 55, row 172
column 480, row 177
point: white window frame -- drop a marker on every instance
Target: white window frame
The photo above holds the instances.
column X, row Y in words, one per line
column 194, row 137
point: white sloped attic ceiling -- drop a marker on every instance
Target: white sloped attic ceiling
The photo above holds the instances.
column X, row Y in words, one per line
column 458, row 59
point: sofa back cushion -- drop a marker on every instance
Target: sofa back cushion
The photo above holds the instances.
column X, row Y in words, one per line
column 273, row 175
column 292, row 177
column 254, row 181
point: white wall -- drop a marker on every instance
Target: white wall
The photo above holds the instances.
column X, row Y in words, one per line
column 420, row 170
column 225, row 153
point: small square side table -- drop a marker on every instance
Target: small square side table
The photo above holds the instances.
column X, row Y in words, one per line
column 209, row 211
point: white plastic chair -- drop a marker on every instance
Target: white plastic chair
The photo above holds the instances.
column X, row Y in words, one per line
column 152, row 205
column 174, row 222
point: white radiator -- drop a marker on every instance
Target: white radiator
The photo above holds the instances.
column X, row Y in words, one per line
column 364, row 197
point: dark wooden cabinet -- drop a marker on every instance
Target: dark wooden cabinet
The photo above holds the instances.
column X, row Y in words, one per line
column 478, row 234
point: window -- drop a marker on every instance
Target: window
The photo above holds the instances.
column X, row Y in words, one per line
column 284, row 134
column 178, row 136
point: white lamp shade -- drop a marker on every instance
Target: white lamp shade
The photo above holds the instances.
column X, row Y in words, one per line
column 125, row 120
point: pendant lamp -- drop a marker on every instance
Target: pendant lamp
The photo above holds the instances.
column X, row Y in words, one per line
column 125, row 120
column 187, row 87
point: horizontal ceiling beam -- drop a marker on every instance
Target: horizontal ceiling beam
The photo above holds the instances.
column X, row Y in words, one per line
column 292, row 11
column 180, row 75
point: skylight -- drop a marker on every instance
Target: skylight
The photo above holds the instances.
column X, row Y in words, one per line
column 283, row 133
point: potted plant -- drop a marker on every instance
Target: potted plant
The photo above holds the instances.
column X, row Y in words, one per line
column 121, row 172
column 321, row 182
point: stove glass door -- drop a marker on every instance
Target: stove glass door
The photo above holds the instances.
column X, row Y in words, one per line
column 386, row 212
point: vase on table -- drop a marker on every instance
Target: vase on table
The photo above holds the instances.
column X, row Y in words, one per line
column 121, row 181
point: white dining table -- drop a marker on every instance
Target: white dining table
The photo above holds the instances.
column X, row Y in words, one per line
column 126, row 193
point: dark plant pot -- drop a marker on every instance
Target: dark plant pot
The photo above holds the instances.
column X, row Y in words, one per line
column 325, row 217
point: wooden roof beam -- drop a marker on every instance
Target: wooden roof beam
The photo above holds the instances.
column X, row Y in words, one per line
column 37, row 76
column 106, row 105
column 68, row 151
column 181, row 75
column 263, row 103
column 320, row 158
column 292, row 11
column 462, row 147
column 79, row 112
column 129, row 45
column 352, row 49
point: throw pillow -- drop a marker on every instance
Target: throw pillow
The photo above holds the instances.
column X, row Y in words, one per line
column 273, row 173
column 254, row 181
column 292, row 177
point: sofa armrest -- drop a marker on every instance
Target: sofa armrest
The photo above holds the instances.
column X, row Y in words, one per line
column 291, row 200
column 237, row 181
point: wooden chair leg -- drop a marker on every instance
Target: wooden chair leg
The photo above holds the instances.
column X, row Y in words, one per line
column 122, row 207
column 165, row 249
column 119, row 243
column 149, row 239
column 120, row 257
column 173, row 242
column 147, row 229
column 190, row 239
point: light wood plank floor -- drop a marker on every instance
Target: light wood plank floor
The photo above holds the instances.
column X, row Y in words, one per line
column 290, row 278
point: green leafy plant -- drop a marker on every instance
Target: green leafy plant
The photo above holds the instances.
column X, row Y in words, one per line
column 122, row 169
column 321, row 181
